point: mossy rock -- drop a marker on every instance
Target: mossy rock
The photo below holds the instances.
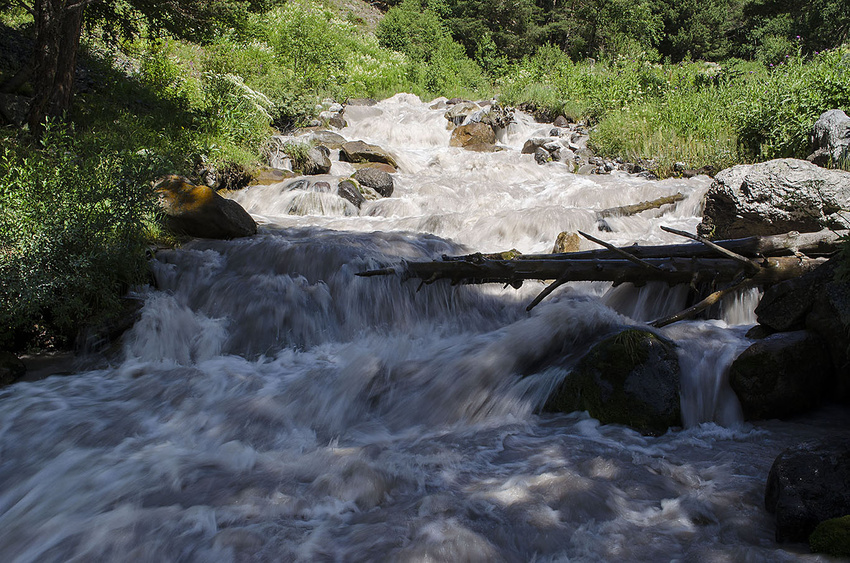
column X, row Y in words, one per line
column 629, row 378
column 832, row 537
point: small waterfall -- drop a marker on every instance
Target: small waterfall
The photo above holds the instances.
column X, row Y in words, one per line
column 271, row 405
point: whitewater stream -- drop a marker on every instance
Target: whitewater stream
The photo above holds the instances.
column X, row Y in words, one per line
column 269, row 405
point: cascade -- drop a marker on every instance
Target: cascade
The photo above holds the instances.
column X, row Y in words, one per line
column 269, row 405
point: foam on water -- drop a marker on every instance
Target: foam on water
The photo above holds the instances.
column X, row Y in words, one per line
column 272, row 406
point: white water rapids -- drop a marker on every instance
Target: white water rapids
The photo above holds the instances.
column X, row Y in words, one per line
column 272, row 406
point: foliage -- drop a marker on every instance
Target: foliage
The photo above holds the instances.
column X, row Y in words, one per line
column 775, row 112
column 72, row 235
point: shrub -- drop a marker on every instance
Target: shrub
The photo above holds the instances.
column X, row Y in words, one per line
column 72, row 236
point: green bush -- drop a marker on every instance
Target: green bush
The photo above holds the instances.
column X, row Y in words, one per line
column 777, row 109
column 73, row 235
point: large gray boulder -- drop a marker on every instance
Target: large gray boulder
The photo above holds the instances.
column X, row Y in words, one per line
column 831, row 139
column 358, row 151
column 630, row 378
column 775, row 197
column 376, row 179
column 318, row 161
column 781, row 375
column 198, row 211
column 808, row 484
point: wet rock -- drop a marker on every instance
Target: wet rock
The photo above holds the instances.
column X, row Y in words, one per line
column 831, row 139
column 318, row 161
column 321, row 187
column 327, row 138
column 785, row 305
column 832, row 537
column 266, row 175
column 561, row 121
column 630, row 378
column 781, row 375
column 347, row 189
column 775, row 197
column 358, row 151
column 807, row 484
column 198, row 211
column 11, row 368
column 458, row 113
column 585, row 169
column 820, row 302
column 337, row 120
column 531, row 145
column 542, row 156
column 376, row 179
column 567, row 242
column 474, row 137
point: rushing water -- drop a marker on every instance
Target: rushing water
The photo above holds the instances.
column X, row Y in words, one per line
column 272, row 406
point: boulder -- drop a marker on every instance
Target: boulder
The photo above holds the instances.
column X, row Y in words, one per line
column 775, row 197
column 832, row 537
column 781, row 375
column 266, row 175
column 831, row 139
column 11, row 368
column 198, row 211
column 318, row 161
column 531, row 145
column 458, row 113
column 474, row 137
column 542, row 156
column 567, row 242
column 630, row 378
column 561, row 122
column 347, row 190
column 785, row 305
column 327, row 138
column 807, row 484
column 820, row 302
column 358, row 151
column 376, row 179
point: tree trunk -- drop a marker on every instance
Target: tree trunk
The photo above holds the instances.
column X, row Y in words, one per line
column 58, row 25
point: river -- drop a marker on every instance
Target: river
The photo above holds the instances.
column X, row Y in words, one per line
column 269, row 405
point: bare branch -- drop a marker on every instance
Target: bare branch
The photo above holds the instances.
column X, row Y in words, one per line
column 748, row 264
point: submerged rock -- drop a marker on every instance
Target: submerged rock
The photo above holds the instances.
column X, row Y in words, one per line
column 807, row 484
column 474, row 137
column 781, row 375
column 630, row 378
column 775, row 197
column 197, row 211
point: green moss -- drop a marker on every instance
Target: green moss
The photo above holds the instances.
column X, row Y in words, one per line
column 629, row 378
column 832, row 537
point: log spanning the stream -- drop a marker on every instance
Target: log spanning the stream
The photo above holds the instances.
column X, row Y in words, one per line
column 734, row 263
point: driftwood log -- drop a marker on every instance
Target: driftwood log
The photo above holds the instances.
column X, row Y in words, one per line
column 728, row 265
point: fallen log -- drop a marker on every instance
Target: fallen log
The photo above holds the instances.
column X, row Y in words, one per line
column 821, row 243
column 739, row 263
column 634, row 209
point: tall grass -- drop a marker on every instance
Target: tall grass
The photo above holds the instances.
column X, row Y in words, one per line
column 702, row 114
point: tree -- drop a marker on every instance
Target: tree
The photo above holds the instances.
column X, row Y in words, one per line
column 58, row 26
